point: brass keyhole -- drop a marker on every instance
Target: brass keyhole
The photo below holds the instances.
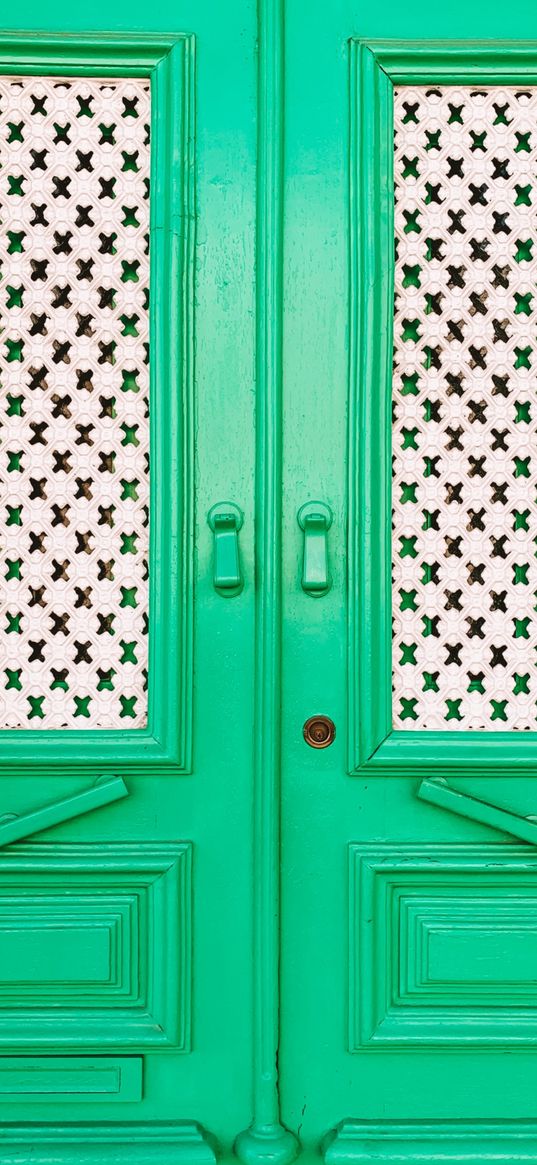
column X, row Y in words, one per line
column 319, row 731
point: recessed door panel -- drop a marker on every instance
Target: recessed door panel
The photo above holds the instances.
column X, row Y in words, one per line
column 97, row 943
column 41, row 1079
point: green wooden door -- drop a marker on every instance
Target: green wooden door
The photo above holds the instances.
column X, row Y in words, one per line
column 408, row 848
column 293, row 292
column 127, row 303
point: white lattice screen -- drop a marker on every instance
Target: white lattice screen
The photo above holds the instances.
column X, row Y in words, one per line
column 465, row 409
column 74, row 190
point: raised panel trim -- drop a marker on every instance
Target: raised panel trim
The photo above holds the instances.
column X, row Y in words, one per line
column 400, row 899
column 355, row 1142
column 84, row 1143
column 56, row 1079
column 142, row 895
column 375, row 66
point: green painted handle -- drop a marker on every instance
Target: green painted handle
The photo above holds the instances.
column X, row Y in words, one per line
column 438, row 792
column 103, row 792
column 225, row 520
column 315, row 519
column 227, row 570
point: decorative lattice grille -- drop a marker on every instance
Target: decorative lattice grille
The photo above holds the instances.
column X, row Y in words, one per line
column 465, row 409
column 74, row 175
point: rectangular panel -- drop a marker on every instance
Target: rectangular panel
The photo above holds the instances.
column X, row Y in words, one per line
column 33, row 950
column 442, row 553
column 483, row 954
column 443, row 946
column 76, row 1078
column 465, row 477
column 74, row 402
column 101, row 552
column 70, row 950
column 96, row 946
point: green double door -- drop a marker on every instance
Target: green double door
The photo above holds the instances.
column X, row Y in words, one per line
column 268, row 686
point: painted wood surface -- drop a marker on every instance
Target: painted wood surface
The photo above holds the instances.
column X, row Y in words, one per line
column 397, row 914
column 126, row 924
column 295, row 952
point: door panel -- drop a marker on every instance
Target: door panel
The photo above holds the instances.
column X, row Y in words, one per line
column 37, row 1078
column 128, row 151
column 79, row 552
column 462, row 486
column 80, row 585
column 408, row 860
column 97, row 938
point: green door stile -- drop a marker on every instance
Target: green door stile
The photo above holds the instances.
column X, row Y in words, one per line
column 266, row 1139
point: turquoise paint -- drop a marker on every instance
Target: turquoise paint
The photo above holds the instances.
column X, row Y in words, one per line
column 165, row 902
column 273, row 876
column 390, row 1087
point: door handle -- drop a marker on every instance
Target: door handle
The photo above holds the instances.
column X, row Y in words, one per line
column 225, row 520
column 438, row 792
column 103, row 792
column 315, row 519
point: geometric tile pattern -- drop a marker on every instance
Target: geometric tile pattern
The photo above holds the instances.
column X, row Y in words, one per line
column 465, row 409
column 74, row 392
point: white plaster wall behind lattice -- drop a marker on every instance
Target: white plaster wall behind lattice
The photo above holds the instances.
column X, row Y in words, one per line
column 465, row 409
column 74, row 191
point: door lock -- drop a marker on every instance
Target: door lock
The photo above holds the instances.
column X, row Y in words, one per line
column 319, row 731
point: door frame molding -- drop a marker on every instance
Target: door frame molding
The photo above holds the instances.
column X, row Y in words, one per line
column 266, row 1139
column 86, row 1143
column 356, row 1142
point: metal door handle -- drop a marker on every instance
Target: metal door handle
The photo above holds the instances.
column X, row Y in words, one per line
column 315, row 519
column 438, row 792
column 225, row 520
column 103, row 792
